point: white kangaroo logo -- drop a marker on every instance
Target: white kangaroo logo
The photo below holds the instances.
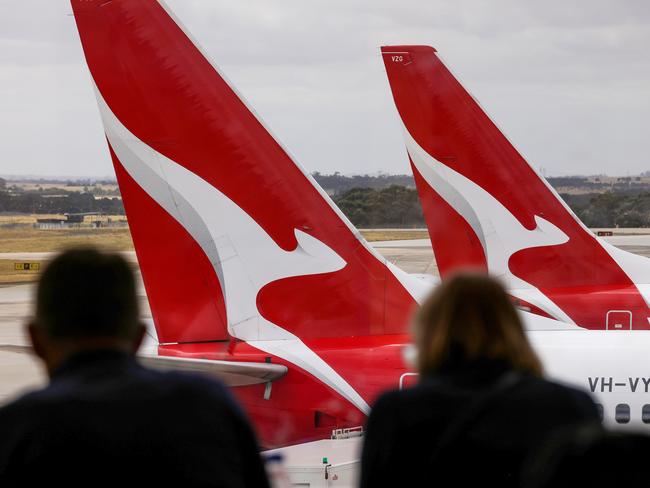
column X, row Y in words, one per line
column 243, row 255
column 490, row 219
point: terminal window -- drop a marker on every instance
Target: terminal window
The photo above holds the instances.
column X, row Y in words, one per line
column 645, row 414
column 601, row 412
column 622, row 413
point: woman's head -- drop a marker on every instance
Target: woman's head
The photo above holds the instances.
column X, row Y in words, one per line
column 472, row 316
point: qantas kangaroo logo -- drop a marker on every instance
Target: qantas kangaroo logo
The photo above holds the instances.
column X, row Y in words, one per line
column 506, row 218
column 246, row 259
column 490, row 219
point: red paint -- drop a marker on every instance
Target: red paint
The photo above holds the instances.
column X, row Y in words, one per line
column 370, row 364
column 579, row 276
column 184, row 293
column 618, row 320
column 167, row 94
column 455, row 245
column 529, row 307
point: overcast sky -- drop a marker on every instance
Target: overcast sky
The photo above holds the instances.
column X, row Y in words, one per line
column 567, row 81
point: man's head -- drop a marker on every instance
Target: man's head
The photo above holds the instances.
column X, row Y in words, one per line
column 85, row 300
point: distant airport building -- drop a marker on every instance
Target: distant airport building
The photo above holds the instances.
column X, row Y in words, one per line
column 86, row 219
column 51, row 223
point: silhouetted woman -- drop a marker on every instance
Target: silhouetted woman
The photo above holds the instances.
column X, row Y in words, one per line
column 481, row 404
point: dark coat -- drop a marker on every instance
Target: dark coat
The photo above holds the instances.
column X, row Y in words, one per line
column 105, row 419
column 404, row 427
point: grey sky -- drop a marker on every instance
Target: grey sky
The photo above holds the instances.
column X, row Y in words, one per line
column 569, row 82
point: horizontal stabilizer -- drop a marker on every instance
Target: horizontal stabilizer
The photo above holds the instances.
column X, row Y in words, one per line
column 231, row 373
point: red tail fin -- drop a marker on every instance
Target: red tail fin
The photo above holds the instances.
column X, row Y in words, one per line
column 485, row 205
column 218, row 210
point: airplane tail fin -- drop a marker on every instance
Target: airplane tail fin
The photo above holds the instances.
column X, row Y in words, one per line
column 486, row 207
column 233, row 238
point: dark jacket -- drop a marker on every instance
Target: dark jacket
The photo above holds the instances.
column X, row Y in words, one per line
column 104, row 419
column 405, row 427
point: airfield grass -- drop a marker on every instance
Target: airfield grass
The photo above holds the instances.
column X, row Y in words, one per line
column 20, row 219
column 29, row 239
column 9, row 274
column 394, row 234
column 26, row 218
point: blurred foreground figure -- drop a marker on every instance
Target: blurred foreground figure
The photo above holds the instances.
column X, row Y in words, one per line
column 104, row 418
column 590, row 456
column 481, row 404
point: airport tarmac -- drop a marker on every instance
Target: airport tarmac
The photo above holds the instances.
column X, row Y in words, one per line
column 20, row 372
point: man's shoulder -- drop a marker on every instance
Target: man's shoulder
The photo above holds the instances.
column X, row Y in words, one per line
column 544, row 390
column 140, row 386
column 26, row 406
column 194, row 383
column 29, row 400
column 146, row 382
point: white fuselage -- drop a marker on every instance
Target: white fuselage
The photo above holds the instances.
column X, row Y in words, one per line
column 610, row 365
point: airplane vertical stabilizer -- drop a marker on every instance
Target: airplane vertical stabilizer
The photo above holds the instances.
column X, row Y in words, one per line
column 234, row 239
column 487, row 208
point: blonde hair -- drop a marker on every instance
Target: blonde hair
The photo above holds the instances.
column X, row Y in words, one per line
column 471, row 315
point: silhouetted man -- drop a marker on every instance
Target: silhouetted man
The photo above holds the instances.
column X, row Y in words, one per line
column 104, row 418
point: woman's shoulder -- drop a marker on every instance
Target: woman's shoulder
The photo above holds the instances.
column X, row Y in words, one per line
column 529, row 391
column 554, row 388
column 552, row 396
column 426, row 393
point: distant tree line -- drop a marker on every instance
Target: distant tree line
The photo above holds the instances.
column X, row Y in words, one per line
column 623, row 184
column 395, row 206
column 611, row 209
column 368, row 201
column 336, row 184
column 72, row 202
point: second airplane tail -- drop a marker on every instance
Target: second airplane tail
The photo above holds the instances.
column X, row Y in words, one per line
column 486, row 207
